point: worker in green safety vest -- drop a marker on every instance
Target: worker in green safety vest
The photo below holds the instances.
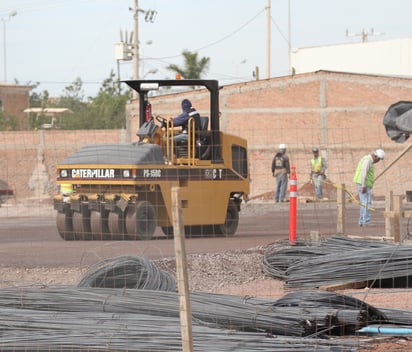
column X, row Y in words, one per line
column 364, row 179
column 66, row 189
column 318, row 168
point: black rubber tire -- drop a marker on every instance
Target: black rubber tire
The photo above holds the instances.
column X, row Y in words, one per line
column 141, row 220
column 168, row 231
column 99, row 225
column 199, row 230
column 229, row 228
column 116, row 225
column 65, row 226
column 81, row 226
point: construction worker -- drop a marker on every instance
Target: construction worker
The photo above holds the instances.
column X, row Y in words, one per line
column 364, row 179
column 281, row 171
column 66, row 189
column 318, row 168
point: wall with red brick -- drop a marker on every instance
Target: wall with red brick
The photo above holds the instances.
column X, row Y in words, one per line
column 15, row 99
column 338, row 112
column 28, row 158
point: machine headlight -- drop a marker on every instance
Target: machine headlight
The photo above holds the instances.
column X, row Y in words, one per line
column 126, row 173
column 63, row 173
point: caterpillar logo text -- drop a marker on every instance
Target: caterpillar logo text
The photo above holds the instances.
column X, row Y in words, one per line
column 93, row 173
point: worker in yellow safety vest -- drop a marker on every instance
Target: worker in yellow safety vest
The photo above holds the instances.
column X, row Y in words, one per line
column 318, row 168
column 364, row 179
column 66, row 189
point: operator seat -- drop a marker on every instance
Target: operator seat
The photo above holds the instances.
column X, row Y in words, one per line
column 202, row 140
column 202, row 144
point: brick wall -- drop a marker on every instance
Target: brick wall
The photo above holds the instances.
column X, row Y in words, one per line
column 28, row 158
column 14, row 99
column 338, row 112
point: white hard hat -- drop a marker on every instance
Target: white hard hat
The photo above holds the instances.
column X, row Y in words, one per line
column 282, row 146
column 380, row 154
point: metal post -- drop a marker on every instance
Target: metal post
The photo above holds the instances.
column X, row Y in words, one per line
column 135, row 44
column 118, row 75
column 268, row 15
column 289, row 40
column 4, row 50
column 11, row 14
column 136, row 41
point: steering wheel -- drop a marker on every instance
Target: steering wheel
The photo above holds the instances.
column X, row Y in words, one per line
column 163, row 121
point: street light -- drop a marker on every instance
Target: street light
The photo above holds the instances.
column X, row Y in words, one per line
column 11, row 14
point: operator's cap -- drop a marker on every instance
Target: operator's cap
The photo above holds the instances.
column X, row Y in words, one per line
column 315, row 150
column 282, row 146
column 186, row 104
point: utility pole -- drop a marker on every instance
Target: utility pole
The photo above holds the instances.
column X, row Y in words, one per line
column 11, row 14
column 268, row 15
column 136, row 40
column 149, row 17
column 289, row 40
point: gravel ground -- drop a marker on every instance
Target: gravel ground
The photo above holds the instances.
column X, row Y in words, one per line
column 237, row 273
column 231, row 272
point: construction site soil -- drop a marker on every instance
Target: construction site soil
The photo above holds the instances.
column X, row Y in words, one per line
column 226, row 272
column 234, row 273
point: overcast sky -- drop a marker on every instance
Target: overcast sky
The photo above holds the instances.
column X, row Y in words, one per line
column 55, row 41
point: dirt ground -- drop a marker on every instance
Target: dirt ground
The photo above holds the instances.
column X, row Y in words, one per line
column 234, row 273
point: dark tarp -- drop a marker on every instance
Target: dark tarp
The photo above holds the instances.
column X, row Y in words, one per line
column 398, row 121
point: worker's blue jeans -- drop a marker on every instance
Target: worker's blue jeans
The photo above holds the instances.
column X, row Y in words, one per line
column 318, row 183
column 365, row 200
column 281, row 185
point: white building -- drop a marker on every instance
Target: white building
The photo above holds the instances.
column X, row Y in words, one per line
column 386, row 57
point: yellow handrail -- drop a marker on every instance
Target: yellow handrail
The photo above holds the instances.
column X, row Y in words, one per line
column 170, row 140
column 191, row 141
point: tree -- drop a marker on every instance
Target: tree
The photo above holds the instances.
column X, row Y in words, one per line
column 193, row 68
column 74, row 91
column 8, row 122
column 106, row 111
column 38, row 100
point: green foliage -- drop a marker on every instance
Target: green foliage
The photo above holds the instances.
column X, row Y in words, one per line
column 193, row 68
column 105, row 111
column 8, row 122
column 38, row 100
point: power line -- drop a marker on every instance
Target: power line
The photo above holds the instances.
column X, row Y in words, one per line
column 217, row 41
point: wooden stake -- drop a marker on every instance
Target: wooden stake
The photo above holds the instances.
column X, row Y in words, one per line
column 397, row 218
column 181, row 272
column 340, row 200
column 389, row 219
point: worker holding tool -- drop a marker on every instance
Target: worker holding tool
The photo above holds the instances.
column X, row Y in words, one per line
column 317, row 172
column 364, row 179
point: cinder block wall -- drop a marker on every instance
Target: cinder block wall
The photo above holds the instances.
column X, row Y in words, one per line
column 28, row 158
column 338, row 112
